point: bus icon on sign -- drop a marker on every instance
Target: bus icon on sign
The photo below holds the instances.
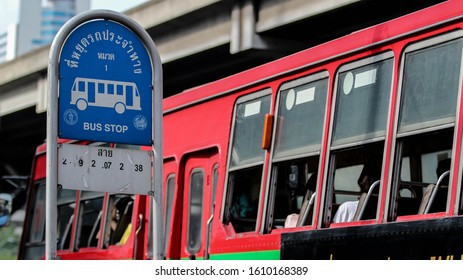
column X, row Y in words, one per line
column 105, row 93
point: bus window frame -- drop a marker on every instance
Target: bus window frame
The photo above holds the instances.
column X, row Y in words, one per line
column 433, row 124
column 229, row 184
column 77, row 243
column 390, row 211
column 69, row 225
column 364, row 138
column 308, row 150
column 305, row 152
column 199, row 238
column 326, row 213
column 169, row 207
column 109, row 204
column 27, row 245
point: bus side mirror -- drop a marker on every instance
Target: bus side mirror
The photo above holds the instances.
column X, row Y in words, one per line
column 6, row 200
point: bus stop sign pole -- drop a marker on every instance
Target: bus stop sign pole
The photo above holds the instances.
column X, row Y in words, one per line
column 96, row 58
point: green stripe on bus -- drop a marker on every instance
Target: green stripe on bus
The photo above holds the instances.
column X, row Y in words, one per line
column 257, row 255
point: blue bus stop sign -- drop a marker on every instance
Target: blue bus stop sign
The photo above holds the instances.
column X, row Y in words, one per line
column 105, row 85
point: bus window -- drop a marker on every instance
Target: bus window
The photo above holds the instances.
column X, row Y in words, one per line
column 66, row 203
column 110, row 88
column 429, row 90
column 215, row 180
column 34, row 247
column 246, row 159
column 91, row 91
column 357, row 141
column 35, row 239
column 90, row 211
column 297, row 144
column 195, row 211
column 120, row 89
column 356, row 173
column 129, row 91
column 81, row 86
column 118, row 223
column 101, row 88
column 169, row 204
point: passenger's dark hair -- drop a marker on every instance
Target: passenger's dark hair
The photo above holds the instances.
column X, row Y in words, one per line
column 121, row 203
column 371, row 172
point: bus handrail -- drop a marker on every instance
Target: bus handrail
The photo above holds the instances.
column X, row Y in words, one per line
column 365, row 202
column 435, row 190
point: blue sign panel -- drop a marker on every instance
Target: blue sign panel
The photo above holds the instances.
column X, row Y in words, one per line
column 105, row 85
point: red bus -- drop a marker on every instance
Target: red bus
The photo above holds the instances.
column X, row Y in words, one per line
column 348, row 150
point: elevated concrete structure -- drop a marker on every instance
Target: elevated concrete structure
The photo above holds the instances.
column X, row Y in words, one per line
column 199, row 41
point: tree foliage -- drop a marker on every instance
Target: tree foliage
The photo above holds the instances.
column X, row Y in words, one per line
column 9, row 242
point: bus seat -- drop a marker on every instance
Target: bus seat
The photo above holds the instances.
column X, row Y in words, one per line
column 66, row 236
column 93, row 238
column 407, row 206
column 426, row 197
column 439, row 203
column 435, row 196
column 305, row 215
column 366, row 208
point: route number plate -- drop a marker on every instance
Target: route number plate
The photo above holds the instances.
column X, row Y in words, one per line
column 102, row 169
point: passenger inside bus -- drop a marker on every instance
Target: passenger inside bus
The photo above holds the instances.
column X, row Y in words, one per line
column 435, row 195
column 371, row 173
column 304, row 216
column 119, row 226
column 121, row 216
column 424, row 158
column 245, row 199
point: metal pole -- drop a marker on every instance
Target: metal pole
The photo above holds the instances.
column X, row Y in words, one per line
column 157, row 223
column 52, row 156
column 158, row 232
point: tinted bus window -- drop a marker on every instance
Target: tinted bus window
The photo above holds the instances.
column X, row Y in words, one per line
column 118, row 220
column 90, row 212
column 35, row 243
column 246, row 159
column 362, row 102
column 297, row 141
column 195, row 211
column 301, row 114
column 66, row 205
column 359, row 127
column 247, row 137
column 429, row 91
column 35, row 240
column 430, row 86
column 169, row 204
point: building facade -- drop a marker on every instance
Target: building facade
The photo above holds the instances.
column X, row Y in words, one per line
column 39, row 21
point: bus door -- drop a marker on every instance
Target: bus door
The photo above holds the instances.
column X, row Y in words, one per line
column 200, row 175
column 172, row 201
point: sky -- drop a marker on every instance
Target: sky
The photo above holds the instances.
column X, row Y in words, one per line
column 116, row 5
column 9, row 9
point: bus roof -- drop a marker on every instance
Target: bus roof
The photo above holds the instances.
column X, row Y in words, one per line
column 368, row 37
